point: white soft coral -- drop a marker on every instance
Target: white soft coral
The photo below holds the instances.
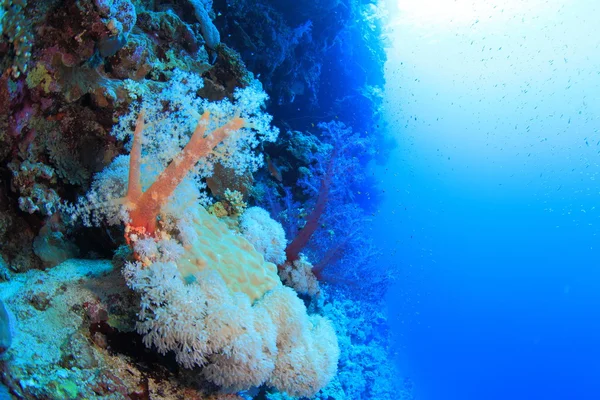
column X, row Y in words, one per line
column 266, row 235
column 239, row 344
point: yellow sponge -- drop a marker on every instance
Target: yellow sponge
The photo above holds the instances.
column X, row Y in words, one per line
column 210, row 244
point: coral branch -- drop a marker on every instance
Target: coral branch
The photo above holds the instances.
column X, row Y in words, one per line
column 134, row 189
column 145, row 207
column 292, row 251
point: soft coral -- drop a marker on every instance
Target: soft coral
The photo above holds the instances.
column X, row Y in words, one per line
column 144, row 207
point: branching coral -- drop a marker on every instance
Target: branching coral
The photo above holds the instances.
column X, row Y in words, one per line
column 170, row 120
column 145, row 207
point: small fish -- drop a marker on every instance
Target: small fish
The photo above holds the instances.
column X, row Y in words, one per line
column 273, row 170
column 56, row 117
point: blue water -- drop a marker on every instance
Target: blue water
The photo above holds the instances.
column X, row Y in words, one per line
column 492, row 198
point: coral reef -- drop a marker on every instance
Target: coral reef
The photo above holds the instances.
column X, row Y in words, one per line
column 74, row 338
column 134, row 130
column 61, row 94
column 51, row 356
column 245, row 328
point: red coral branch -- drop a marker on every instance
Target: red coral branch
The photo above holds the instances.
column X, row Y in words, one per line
column 292, row 251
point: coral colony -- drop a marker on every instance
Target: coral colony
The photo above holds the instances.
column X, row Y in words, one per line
column 185, row 203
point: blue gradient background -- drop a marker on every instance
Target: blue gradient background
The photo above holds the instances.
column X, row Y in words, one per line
column 492, row 197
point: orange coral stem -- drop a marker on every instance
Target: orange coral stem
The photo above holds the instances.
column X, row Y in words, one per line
column 134, row 189
column 146, row 206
